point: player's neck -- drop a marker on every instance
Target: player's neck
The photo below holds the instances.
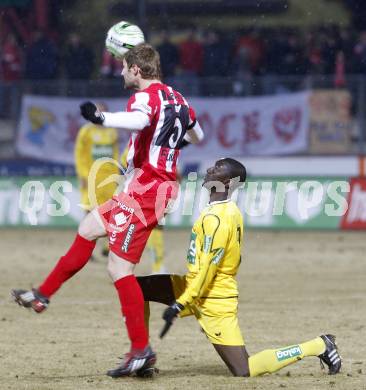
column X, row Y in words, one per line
column 143, row 83
column 218, row 196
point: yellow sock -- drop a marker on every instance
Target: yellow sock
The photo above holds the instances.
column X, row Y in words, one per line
column 272, row 360
column 156, row 245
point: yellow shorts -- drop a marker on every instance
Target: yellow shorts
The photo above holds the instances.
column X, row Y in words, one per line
column 217, row 317
column 102, row 196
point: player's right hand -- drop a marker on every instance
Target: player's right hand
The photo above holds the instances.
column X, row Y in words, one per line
column 169, row 315
column 91, row 113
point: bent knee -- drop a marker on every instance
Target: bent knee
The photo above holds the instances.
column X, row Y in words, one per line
column 84, row 230
column 118, row 268
column 89, row 228
column 240, row 371
column 110, row 269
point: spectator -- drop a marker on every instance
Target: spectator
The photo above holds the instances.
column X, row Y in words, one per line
column 168, row 55
column 330, row 47
column 78, row 60
column 275, row 51
column 252, row 43
column 215, row 55
column 111, row 67
column 191, row 55
column 339, row 74
column 347, row 43
column 11, row 60
column 293, row 62
column 10, row 71
column 241, row 72
column 314, row 54
column 41, row 59
column 360, row 54
column 191, row 63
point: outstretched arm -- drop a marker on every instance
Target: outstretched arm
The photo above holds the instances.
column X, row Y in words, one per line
column 133, row 121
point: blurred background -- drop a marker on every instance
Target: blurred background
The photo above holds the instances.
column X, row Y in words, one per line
column 279, row 84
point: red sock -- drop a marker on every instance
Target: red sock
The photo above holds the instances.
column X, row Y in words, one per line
column 132, row 305
column 75, row 259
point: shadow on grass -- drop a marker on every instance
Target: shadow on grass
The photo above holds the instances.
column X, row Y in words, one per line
column 189, row 370
column 211, row 370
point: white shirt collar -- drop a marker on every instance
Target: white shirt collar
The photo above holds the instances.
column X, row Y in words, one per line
column 219, row 201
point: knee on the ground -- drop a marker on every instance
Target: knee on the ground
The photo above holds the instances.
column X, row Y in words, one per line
column 240, row 371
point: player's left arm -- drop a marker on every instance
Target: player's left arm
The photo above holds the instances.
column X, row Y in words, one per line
column 194, row 133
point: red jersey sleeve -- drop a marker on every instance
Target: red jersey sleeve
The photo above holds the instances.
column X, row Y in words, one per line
column 143, row 102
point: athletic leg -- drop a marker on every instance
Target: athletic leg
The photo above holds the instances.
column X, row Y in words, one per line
column 131, row 222
column 220, row 324
column 272, row 360
column 132, row 306
column 157, row 288
column 161, row 289
column 76, row 257
column 268, row 361
column 68, row 265
column 235, row 357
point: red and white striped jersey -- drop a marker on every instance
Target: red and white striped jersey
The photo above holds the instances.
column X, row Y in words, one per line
column 155, row 149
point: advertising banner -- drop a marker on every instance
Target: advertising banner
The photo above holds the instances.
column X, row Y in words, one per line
column 355, row 217
column 330, row 122
column 48, row 127
column 314, row 203
column 270, row 125
column 274, row 125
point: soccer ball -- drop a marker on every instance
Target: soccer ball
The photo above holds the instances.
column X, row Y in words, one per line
column 123, row 36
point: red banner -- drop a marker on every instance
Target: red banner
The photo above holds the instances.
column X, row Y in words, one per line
column 355, row 217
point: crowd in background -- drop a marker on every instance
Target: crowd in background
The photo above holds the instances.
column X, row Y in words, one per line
column 195, row 58
column 42, row 59
column 208, row 54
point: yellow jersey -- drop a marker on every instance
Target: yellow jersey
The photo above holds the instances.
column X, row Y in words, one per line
column 123, row 158
column 93, row 142
column 213, row 256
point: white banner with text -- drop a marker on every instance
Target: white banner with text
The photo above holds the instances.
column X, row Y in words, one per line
column 272, row 125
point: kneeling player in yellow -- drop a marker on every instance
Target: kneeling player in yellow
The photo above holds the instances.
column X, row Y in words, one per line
column 209, row 289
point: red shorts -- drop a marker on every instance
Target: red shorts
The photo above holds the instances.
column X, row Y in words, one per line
column 129, row 221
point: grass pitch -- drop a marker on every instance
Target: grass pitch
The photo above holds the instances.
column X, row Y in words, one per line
column 293, row 287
